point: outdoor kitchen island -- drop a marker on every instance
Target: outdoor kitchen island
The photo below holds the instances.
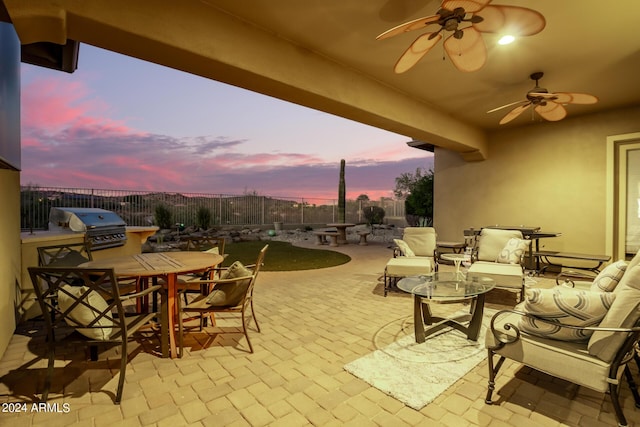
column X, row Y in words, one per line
column 135, row 237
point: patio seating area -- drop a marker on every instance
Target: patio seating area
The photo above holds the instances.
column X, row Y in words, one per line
column 311, row 325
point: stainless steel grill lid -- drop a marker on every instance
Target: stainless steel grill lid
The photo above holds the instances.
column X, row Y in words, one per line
column 83, row 219
column 102, row 228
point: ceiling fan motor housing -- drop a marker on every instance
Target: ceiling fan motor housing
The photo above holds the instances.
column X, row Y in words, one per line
column 537, row 100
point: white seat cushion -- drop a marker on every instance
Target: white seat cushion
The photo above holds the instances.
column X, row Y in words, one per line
column 608, row 279
column 492, row 242
column 409, row 266
column 505, row 275
column 421, row 240
column 563, row 359
column 624, row 313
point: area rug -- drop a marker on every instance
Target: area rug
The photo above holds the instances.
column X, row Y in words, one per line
column 416, row 374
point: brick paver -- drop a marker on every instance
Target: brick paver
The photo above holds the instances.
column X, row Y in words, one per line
column 313, row 322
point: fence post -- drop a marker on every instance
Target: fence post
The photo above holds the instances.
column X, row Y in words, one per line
column 302, row 211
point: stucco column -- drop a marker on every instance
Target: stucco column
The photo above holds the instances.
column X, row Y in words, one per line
column 9, row 180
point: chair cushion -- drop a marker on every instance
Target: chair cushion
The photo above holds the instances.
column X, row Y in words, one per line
column 635, row 260
column 492, row 241
column 609, row 277
column 513, row 251
column 569, row 360
column 564, row 306
column 408, row 266
column 230, row 294
column 421, row 240
column 624, row 313
column 83, row 315
column 505, row 275
column 404, row 248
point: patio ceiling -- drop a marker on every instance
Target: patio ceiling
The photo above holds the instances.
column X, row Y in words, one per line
column 323, row 54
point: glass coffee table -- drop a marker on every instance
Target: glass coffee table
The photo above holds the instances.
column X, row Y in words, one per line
column 447, row 288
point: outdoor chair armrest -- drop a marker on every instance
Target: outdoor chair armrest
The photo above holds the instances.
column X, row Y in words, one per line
column 219, row 281
column 572, row 277
column 143, row 292
column 510, row 332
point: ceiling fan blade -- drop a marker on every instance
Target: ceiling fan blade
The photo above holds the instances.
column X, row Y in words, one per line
column 575, row 98
column 552, row 111
column 508, row 105
column 546, row 95
column 469, row 6
column 514, row 20
column 514, row 113
column 416, row 24
column 416, row 51
column 468, row 53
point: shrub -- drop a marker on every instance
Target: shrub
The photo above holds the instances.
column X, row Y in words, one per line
column 203, row 217
column 163, row 217
column 373, row 214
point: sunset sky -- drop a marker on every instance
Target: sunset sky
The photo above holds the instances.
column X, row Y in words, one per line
column 122, row 123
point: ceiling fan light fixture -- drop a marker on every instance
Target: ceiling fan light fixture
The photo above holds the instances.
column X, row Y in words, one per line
column 506, row 39
column 482, row 17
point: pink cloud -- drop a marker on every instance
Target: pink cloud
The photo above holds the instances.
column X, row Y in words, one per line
column 68, row 141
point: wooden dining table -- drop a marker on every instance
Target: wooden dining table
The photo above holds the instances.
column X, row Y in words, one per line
column 166, row 265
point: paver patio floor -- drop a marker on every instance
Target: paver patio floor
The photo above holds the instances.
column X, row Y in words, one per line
column 313, row 322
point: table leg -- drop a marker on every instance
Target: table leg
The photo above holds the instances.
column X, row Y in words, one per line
column 457, row 263
column 418, row 319
column 473, row 331
column 172, row 310
column 342, row 235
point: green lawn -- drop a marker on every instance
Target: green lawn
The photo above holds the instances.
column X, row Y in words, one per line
column 283, row 256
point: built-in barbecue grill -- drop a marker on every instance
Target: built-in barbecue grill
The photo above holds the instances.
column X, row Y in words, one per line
column 102, row 228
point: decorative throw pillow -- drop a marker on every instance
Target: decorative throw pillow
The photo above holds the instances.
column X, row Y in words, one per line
column 82, row 315
column 230, row 294
column 404, row 247
column 609, row 277
column 564, row 306
column 513, row 251
column 623, row 314
column 213, row 250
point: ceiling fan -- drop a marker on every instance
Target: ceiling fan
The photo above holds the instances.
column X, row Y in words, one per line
column 465, row 45
column 548, row 105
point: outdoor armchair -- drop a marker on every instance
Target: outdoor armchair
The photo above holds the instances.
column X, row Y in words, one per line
column 86, row 306
column 232, row 293
column 499, row 254
column 205, row 243
column 419, row 243
column 414, row 254
column 586, row 337
column 196, row 283
column 64, row 255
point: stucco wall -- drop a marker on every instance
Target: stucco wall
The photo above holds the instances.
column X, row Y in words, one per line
column 551, row 175
column 9, row 181
column 9, row 253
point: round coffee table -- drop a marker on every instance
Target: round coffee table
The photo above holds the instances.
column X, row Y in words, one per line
column 446, row 288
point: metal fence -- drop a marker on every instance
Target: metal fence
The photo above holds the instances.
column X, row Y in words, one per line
column 138, row 208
